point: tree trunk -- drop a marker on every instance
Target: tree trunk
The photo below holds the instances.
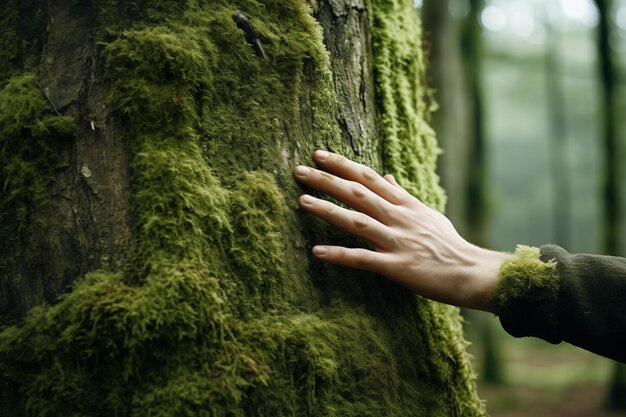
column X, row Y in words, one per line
column 476, row 204
column 146, row 155
column 611, row 190
column 611, row 186
column 447, row 72
column 559, row 149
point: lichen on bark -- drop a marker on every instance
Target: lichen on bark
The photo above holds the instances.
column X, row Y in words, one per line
column 218, row 311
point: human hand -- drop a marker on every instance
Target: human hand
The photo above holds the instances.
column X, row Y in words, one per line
column 415, row 246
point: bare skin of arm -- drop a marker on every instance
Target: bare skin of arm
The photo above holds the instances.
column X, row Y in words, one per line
column 415, row 246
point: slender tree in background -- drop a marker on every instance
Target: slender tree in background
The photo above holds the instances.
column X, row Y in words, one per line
column 611, row 177
column 476, row 203
column 452, row 118
column 612, row 184
column 146, row 150
column 561, row 195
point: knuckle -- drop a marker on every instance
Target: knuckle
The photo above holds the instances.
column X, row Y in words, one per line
column 404, row 217
column 394, row 241
column 418, row 204
column 369, row 174
column 362, row 258
column 414, row 210
column 329, row 208
column 403, row 198
column 340, row 160
column 361, row 220
column 359, row 190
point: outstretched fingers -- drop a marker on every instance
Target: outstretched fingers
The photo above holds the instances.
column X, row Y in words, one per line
column 353, row 171
column 352, row 193
column 356, row 258
column 358, row 224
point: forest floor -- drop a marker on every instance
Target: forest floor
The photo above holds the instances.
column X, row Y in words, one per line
column 518, row 400
column 541, row 380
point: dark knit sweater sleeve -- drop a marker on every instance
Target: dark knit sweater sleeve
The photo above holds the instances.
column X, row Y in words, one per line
column 557, row 296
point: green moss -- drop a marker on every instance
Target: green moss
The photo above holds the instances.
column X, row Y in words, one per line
column 207, row 319
column 8, row 38
column 410, row 153
column 257, row 249
column 120, row 14
column 31, row 140
column 160, row 72
column 263, row 103
column 108, row 334
column 409, row 144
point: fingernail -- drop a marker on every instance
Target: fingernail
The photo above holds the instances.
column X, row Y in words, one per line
column 319, row 250
column 302, row 170
column 307, row 199
column 321, row 155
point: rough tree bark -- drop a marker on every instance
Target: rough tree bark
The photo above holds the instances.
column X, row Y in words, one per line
column 153, row 261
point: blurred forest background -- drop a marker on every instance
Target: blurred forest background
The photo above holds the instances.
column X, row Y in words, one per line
column 531, row 95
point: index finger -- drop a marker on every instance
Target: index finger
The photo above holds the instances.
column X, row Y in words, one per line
column 353, row 171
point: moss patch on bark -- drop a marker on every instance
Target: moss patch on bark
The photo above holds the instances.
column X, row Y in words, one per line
column 8, row 38
column 410, row 147
column 208, row 317
column 31, row 139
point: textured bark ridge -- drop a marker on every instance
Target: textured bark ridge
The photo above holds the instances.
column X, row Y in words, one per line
column 83, row 179
column 161, row 205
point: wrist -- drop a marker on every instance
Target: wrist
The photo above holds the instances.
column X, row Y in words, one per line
column 483, row 278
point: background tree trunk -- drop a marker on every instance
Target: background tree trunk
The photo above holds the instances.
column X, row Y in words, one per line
column 559, row 147
column 159, row 201
column 476, row 205
column 612, row 185
column 447, row 74
column 611, row 188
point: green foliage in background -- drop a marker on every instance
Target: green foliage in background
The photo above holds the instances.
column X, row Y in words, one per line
column 212, row 315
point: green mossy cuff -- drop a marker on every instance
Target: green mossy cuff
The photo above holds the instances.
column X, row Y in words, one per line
column 527, row 295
